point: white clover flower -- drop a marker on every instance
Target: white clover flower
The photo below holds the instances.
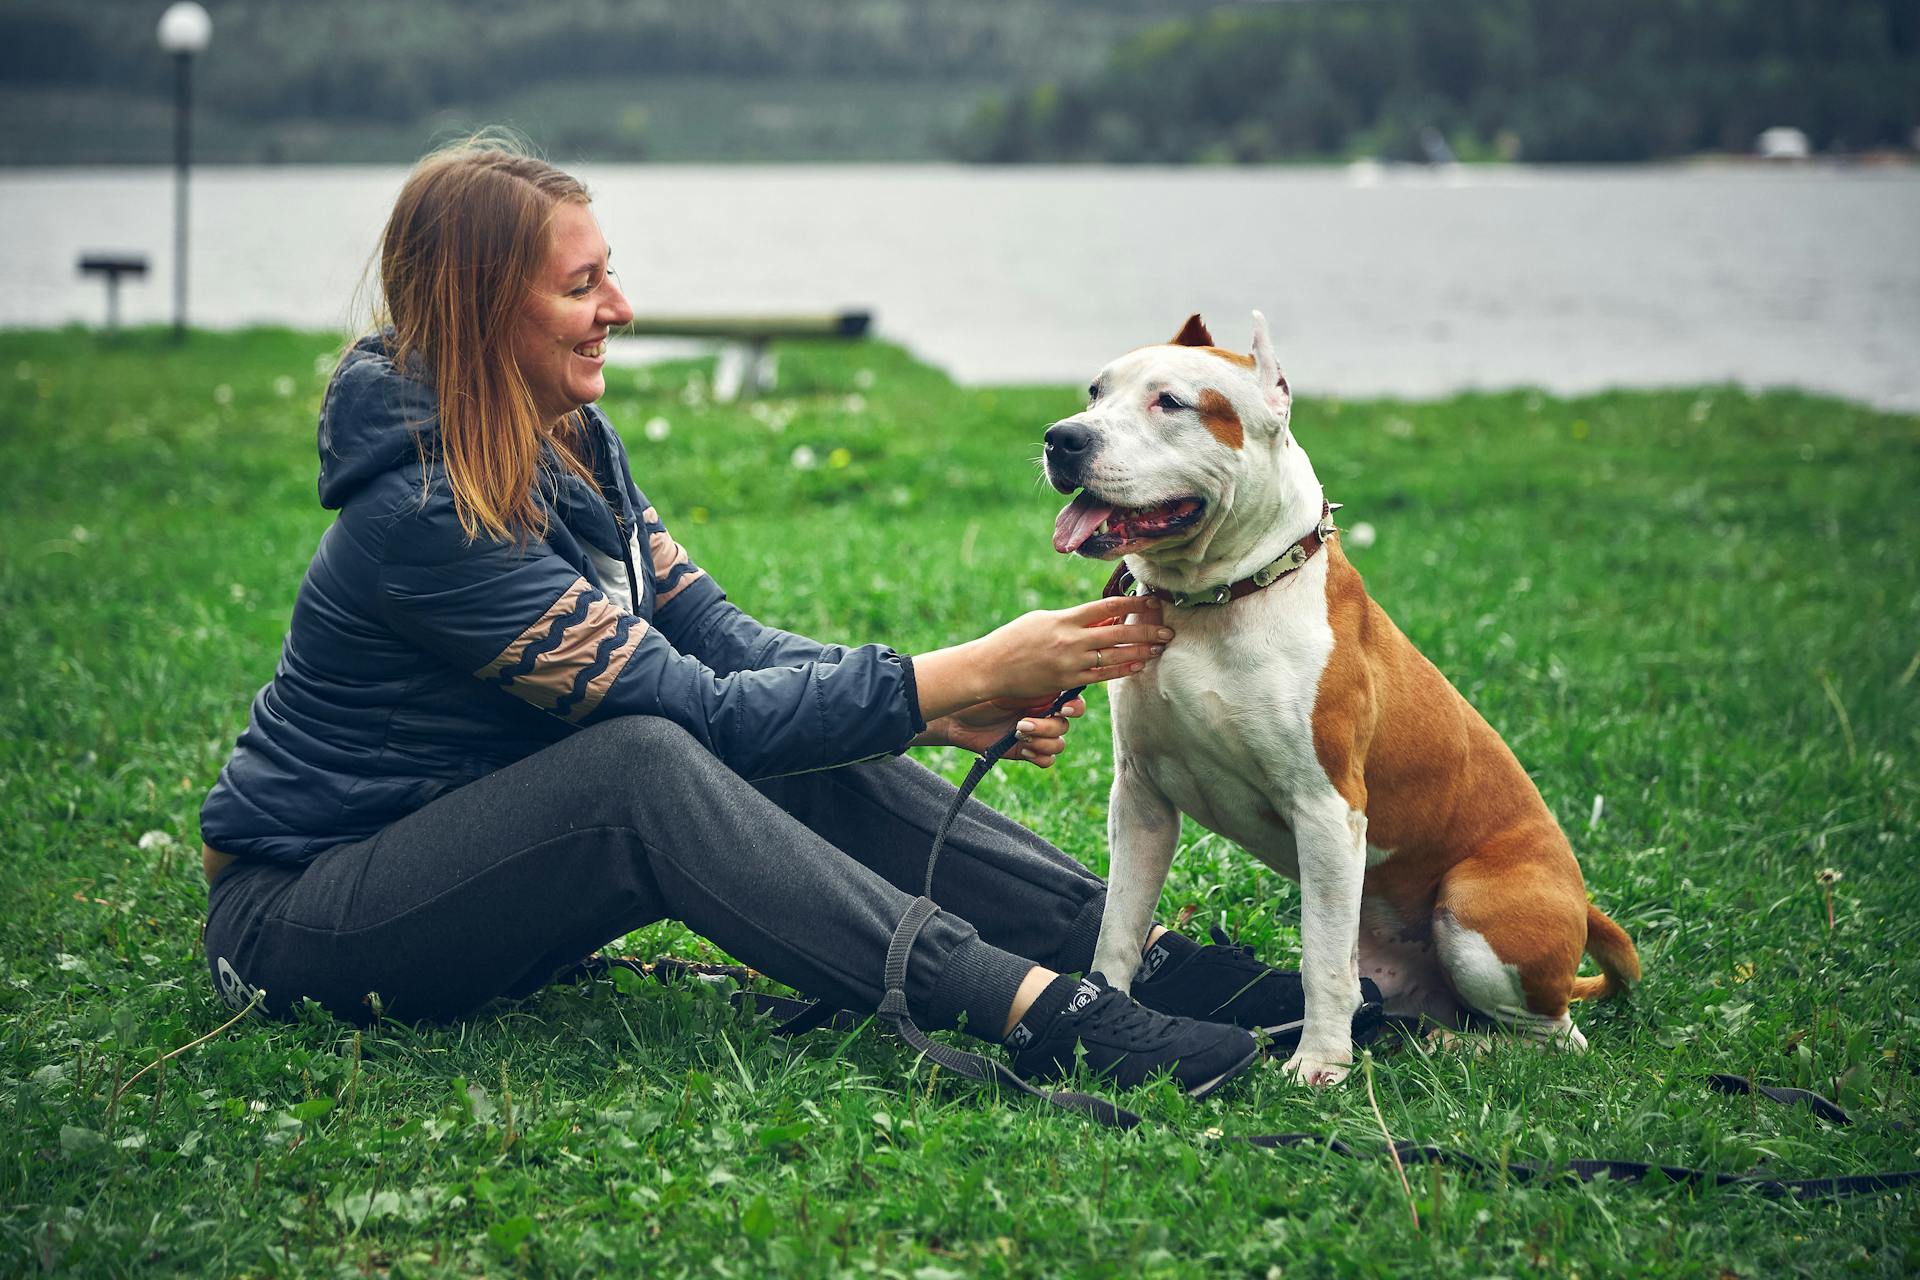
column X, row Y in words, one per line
column 863, row 379
column 80, row 533
column 855, row 403
column 1361, row 536
column 284, row 387
column 223, row 394
column 657, row 429
column 154, row 840
column 804, row 459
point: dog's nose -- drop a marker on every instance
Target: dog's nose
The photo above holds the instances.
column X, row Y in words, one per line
column 1068, row 440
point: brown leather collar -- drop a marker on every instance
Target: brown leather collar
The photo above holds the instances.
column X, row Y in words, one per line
column 1123, row 583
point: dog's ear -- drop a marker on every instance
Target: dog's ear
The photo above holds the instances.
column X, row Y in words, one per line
column 1193, row 333
column 1266, row 366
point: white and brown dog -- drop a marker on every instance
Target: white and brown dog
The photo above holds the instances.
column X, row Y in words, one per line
column 1294, row 718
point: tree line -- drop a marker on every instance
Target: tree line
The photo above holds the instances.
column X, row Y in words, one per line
column 1544, row 80
column 378, row 60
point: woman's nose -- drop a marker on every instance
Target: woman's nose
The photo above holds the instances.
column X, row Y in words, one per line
column 616, row 310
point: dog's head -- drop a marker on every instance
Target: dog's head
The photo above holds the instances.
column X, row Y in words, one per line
column 1183, row 455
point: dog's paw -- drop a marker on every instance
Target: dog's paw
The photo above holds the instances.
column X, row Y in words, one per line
column 1315, row 1071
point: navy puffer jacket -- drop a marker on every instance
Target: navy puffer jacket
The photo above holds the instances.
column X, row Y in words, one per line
column 418, row 661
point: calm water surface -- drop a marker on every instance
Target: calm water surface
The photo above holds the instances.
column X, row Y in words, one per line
column 1411, row 284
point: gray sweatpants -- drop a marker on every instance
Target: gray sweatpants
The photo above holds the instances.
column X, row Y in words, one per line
column 494, row 888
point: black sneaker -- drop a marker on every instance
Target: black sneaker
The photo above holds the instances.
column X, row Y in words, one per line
column 1123, row 1042
column 1227, row 983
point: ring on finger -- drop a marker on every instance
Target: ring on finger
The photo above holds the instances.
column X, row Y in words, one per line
column 1099, row 659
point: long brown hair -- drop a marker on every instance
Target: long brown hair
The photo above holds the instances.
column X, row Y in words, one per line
column 462, row 247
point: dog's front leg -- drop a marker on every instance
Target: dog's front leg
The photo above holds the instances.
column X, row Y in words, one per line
column 1332, row 840
column 1143, row 828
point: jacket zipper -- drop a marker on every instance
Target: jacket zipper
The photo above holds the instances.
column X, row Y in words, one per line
column 626, row 558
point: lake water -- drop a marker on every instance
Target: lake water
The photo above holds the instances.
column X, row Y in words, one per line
column 1408, row 283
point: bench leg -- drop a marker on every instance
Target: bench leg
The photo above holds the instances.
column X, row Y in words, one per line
column 729, row 373
column 764, row 368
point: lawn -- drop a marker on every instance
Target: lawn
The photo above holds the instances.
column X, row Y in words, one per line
column 1692, row 613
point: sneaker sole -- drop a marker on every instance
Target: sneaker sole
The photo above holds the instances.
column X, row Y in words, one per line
column 1202, row 1090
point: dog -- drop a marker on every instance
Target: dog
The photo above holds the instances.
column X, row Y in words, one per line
column 1291, row 716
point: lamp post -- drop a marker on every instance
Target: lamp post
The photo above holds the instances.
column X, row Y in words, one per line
column 184, row 31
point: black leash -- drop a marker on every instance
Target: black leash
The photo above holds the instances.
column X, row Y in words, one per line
column 974, row 1066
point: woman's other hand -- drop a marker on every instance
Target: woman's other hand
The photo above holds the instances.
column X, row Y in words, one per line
column 975, row 728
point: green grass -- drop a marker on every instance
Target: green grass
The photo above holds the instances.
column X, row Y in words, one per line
column 1700, row 605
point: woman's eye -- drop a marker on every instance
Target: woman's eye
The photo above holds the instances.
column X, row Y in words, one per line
column 1166, row 400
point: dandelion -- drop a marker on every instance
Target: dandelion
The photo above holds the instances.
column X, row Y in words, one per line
column 284, row 387
column 80, row 533
column 1826, row 878
column 803, row 459
column 223, row 394
column 1361, row 536
column 657, row 429
column 855, row 403
column 154, row 840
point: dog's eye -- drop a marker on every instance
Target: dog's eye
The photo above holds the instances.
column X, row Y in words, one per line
column 1093, row 392
column 1167, row 400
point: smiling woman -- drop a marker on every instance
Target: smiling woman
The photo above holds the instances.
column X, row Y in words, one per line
column 513, row 720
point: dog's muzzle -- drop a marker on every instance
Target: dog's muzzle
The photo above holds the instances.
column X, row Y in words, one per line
column 1070, row 446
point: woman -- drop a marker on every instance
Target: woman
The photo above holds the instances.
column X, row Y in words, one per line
column 513, row 720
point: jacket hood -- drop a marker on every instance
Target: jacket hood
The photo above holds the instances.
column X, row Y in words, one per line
column 375, row 418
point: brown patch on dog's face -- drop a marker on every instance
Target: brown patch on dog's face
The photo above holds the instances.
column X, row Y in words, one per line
column 1231, row 357
column 1216, row 411
column 1193, row 333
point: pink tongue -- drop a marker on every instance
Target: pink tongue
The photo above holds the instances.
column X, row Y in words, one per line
column 1076, row 523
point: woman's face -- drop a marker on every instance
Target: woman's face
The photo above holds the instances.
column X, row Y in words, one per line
column 560, row 339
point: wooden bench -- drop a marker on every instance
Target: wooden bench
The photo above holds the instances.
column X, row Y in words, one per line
column 747, row 364
column 112, row 266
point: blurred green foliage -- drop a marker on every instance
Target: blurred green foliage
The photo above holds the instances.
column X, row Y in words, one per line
column 1549, row 80
column 613, row 80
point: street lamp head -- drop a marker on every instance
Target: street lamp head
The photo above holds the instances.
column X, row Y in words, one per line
column 185, row 28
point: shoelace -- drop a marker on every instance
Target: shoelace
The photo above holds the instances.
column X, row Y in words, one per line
column 1238, row 951
column 1116, row 1014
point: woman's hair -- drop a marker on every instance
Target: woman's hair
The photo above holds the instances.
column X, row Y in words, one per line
column 466, row 239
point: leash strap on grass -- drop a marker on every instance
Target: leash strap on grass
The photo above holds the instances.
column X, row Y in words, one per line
column 1626, row 1170
column 893, row 1010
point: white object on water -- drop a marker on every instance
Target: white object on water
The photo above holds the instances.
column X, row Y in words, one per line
column 1783, row 142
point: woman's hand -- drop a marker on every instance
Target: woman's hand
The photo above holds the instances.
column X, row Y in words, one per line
column 1040, row 653
column 1042, row 737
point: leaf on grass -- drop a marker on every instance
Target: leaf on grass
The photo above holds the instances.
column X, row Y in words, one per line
column 75, row 1140
column 311, row 1109
column 781, row 1135
column 757, row 1221
column 509, row 1234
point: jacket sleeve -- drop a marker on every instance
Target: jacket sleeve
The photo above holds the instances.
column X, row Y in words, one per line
column 699, row 620
column 523, row 621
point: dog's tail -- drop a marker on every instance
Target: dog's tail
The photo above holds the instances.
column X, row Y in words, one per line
column 1619, row 963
